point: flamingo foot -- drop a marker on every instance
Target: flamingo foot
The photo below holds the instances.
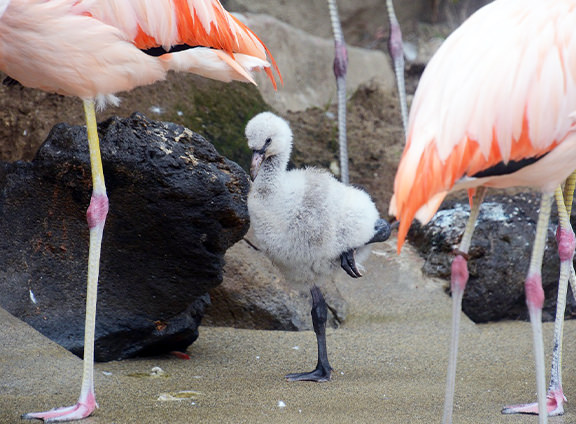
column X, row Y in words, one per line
column 321, row 374
column 83, row 409
column 555, row 400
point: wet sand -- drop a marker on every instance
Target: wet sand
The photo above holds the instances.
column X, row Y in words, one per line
column 389, row 358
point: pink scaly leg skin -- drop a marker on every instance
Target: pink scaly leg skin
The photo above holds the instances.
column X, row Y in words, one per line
column 566, row 243
column 460, row 275
column 534, row 292
column 97, row 211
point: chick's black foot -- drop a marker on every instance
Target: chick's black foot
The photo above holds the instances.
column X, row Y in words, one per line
column 320, row 374
column 348, row 264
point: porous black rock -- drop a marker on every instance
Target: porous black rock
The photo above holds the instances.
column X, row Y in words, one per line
column 176, row 206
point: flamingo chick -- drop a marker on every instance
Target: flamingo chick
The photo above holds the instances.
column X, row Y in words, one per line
column 495, row 110
column 94, row 49
column 306, row 221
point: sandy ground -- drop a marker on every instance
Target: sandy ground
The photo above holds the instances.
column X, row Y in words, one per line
column 389, row 359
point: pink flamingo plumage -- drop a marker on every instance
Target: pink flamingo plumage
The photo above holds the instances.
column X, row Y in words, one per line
column 94, row 49
column 495, row 107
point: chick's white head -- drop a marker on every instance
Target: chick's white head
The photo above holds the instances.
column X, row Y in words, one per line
column 268, row 135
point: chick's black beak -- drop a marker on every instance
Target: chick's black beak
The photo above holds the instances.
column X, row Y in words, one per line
column 257, row 158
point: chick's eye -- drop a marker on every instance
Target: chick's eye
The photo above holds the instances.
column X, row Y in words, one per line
column 268, row 141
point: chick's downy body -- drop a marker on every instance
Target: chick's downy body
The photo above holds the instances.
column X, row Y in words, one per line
column 308, row 220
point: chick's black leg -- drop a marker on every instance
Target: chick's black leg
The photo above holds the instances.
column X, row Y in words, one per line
column 319, row 317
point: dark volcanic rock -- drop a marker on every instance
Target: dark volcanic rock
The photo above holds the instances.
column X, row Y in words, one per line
column 499, row 255
column 176, row 205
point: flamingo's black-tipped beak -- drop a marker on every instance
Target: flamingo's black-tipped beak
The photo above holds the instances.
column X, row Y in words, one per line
column 257, row 159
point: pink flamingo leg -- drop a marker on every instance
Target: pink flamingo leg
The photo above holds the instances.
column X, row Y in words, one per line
column 96, row 217
column 535, row 301
column 459, row 278
column 555, row 398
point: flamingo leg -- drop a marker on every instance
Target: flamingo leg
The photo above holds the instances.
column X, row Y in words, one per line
column 458, row 282
column 323, row 370
column 535, row 301
column 340, row 70
column 568, row 200
column 96, row 217
column 555, row 398
column 396, row 50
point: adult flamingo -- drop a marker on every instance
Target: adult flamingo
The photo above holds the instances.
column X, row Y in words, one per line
column 93, row 49
column 494, row 108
